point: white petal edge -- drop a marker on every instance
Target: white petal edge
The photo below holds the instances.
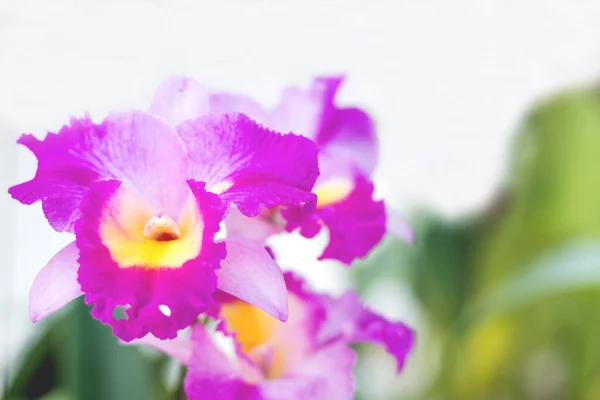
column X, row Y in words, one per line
column 56, row 284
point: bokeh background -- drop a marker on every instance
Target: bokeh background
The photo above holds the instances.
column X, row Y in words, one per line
column 489, row 122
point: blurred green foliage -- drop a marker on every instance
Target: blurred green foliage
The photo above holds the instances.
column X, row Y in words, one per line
column 511, row 292
column 79, row 358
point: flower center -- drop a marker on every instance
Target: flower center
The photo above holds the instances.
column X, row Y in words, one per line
column 332, row 192
column 161, row 228
column 137, row 236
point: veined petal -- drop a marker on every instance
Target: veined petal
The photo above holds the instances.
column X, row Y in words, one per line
column 248, row 165
column 350, row 321
column 180, row 99
column 210, row 374
column 141, row 151
column 162, row 285
column 56, row 284
column 356, row 221
column 250, row 274
column 342, row 133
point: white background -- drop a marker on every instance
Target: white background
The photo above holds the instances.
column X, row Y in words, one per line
column 446, row 80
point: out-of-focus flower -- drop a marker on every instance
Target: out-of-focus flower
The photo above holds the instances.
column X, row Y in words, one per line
column 347, row 157
column 145, row 198
column 308, row 357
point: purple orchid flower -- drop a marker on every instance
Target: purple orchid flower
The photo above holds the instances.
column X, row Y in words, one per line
column 347, row 157
column 308, row 357
column 144, row 196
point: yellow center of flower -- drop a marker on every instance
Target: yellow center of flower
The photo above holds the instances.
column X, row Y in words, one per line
column 138, row 237
column 272, row 345
column 332, row 192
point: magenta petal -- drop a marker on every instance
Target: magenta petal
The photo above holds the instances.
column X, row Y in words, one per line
column 356, row 224
column 136, row 148
column 250, row 274
column 211, row 376
column 180, row 99
column 349, row 134
column 344, row 134
column 250, row 165
column 399, row 227
column 56, row 284
column 349, row 320
column 62, row 178
column 187, row 291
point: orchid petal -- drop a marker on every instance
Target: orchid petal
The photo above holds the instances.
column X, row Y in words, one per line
column 211, row 375
column 179, row 99
column 399, row 227
column 249, row 165
column 250, row 274
column 56, row 284
column 179, row 348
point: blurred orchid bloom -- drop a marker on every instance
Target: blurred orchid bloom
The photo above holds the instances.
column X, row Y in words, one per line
column 145, row 196
column 347, row 157
column 308, row 357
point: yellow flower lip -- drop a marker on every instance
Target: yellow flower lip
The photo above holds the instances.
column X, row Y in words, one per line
column 161, row 228
column 138, row 236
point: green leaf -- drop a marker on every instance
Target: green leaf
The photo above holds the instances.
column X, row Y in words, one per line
column 576, row 266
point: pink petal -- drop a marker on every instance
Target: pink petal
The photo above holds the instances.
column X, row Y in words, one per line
column 211, row 375
column 186, row 290
column 250, row 274
column 325, row 375
column 399, row 227
column 179, row 348
column 56, row 284
column 180, row 99
column 249, row 165
column 241, row 227
column 138, row 149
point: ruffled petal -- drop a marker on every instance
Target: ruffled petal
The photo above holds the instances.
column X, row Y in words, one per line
column 180, row 99
column 161, row 286
column 248, row 165
column 56, row 284
column 210, row 374
column 356, row 222
column 346, row 319
column 350, row 321
column 141, row 151
column 250, row 274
